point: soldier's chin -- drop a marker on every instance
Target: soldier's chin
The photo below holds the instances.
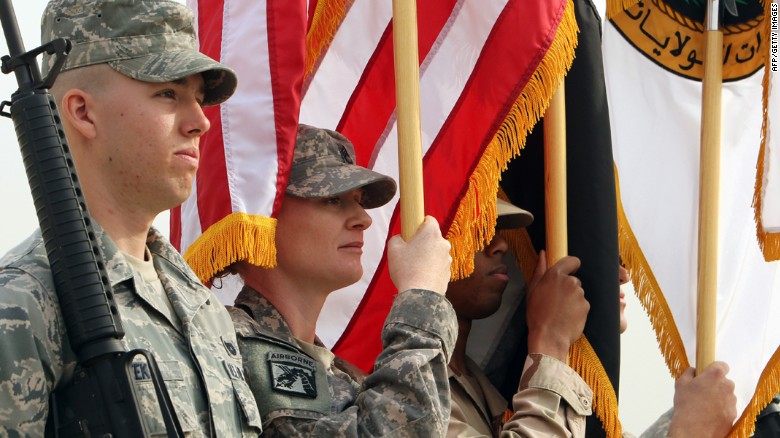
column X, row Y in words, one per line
column 351, row 279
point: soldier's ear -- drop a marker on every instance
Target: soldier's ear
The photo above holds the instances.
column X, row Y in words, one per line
column 76, row 108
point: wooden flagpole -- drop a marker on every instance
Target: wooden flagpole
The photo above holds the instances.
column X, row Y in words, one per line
column 555, row 193
column 407, row 91
column 709, row 181
column 555, row 211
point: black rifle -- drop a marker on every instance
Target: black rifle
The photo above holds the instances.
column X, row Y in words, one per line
column 101, row 400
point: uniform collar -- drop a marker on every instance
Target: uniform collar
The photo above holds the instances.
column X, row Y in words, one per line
column 493, row 400
column 175, row 275
column 268, row 320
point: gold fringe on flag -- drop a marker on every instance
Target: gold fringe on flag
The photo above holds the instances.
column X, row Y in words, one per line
column 475, row 221
column 326, row 19
column 769, row 242
column 615, row 7
column 649, row 293
column 768, row 386
column 668, row 337
column 507, row 144
column 237, row 236
column 584, row 360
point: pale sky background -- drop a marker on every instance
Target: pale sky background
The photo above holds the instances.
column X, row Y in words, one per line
column 646, row 388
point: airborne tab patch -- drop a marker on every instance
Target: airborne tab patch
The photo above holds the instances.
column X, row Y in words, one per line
column 292, row 373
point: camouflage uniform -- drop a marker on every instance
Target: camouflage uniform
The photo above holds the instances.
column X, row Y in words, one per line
column 324, row 165
column 407, row 395
column 660, row 427
column 552, row 400
column 189, row 333
column 147, row 40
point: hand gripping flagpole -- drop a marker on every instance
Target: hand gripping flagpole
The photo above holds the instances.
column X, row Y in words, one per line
column 407, row 91
column 709, row 178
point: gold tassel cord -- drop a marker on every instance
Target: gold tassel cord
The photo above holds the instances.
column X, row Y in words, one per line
column 475, row 220
column 768, row 242
column 649, row 293
column 237, row 236
column 584, row 360
column 326, row 19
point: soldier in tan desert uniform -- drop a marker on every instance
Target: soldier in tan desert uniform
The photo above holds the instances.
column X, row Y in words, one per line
column 551, row 400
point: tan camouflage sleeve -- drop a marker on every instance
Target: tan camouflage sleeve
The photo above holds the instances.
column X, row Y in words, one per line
column 407, row 395
column 32, row 359
column 552, row 400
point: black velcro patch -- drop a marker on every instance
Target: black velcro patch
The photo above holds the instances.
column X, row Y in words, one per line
column 292, row 373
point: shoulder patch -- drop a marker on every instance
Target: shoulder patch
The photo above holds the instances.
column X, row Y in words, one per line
column 292, row 373
column 230, row 347
column 284, row 380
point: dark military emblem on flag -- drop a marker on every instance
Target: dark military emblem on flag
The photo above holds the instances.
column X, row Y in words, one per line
column 670, row 33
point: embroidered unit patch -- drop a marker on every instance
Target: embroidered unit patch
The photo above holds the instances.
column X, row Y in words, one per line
column 292, row 374
column 230, row 347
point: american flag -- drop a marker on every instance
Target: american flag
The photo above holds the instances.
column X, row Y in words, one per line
column 487, row 71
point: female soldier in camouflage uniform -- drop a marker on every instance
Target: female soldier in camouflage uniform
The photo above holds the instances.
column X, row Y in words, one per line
column 301, row 389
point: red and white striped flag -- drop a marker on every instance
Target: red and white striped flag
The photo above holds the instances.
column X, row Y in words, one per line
column 246, row 156
column 487, row 70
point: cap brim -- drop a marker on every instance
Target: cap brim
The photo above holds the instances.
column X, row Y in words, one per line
column 511, row 216
column 220, row 80
column 378, row 189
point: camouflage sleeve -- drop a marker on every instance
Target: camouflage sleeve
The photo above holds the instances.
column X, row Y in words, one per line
column 31, row 359
column 407, row 395
column 660, row 427
column 551, row 400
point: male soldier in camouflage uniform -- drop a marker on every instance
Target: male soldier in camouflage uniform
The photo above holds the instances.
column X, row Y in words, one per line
column 300, row 388
column 130, row 99
column 552, row 400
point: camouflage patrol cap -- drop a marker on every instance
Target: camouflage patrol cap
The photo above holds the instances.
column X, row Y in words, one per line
column 324, row 166
column 147, row 40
